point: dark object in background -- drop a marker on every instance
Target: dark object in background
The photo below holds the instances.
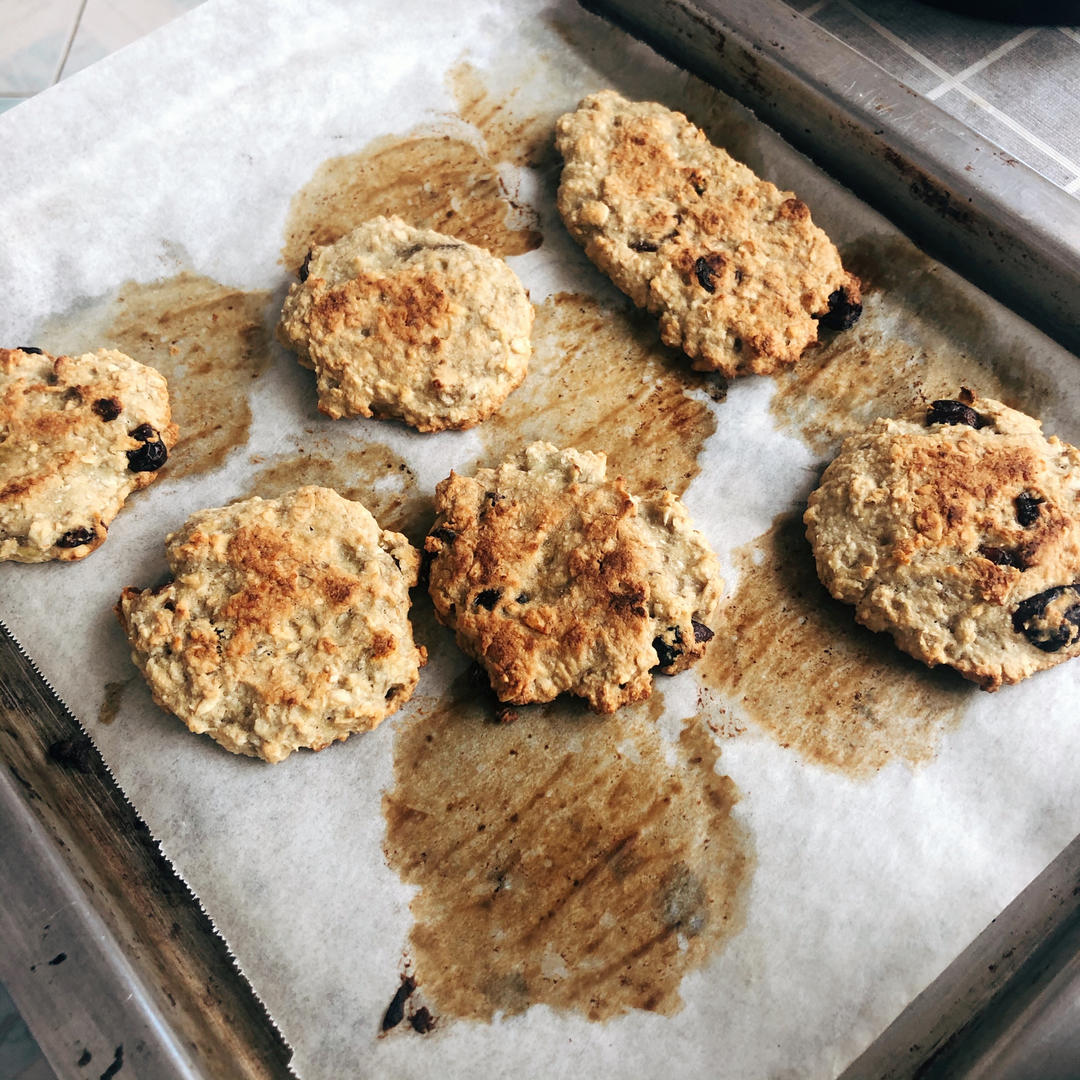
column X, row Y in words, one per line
column 1032, row 12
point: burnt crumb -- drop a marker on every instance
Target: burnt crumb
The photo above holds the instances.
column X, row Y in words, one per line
column 1027, row 508
column 73, row 753
column 108, row 408
column 966, row 396
column 447, row 536
column 843, row 312
column 150, row 456
column 950, row 411
column 422, row 1021
column 59, row 958
column 116, row 1065
column 74, row 538
column 487, row 598
column 701, row 631
column 644, row 246
column 395, row 1011
column 1019, row 557
column 305, row 266
column 84, row 1059
column 31, row 350
column 1055, row 632
column 505, row 715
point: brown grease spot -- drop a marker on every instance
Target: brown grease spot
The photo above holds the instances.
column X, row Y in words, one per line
column 560, row 859
column 794, row 661
column 207, row 339
column 919, row 339
column 110, row 705
column 514, row 130
column 369, row 473
column 599, row 379
column 432, row 181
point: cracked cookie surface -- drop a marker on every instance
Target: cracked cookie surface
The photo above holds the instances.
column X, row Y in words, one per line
column 285, row 625
column 409, row 323
column 557, row 579
column 78, row 434
column 956, row 529
column 735, row 269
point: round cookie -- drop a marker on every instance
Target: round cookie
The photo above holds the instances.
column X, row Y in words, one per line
column 735, row 269
column 409, row 323
column 286, row 624
column 78, row 434
column 957, row 529
column 557, row 579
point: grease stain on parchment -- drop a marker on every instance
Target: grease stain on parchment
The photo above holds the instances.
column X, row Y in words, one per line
column 369, row 473
column 792, row 660
column 111, row 702
column 918, row 339
column 209, row 341
column 560, row 859
column 431, row 180
column 600, row 379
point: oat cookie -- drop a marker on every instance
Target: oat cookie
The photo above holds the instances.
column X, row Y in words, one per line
column 78, row 434
column 409, row 323
column 286, row 624
column 738, row 273
column 957, row 529
column 557, row 579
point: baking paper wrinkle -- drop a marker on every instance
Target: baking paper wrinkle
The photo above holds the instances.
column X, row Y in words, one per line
column 864, row 889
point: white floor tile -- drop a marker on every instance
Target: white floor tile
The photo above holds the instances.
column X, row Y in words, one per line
column 33, row 35
column 108, row 25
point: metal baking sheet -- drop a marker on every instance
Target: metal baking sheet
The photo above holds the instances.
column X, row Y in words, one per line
column 212, row 206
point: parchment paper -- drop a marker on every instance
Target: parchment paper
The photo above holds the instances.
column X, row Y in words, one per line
column 182, row 153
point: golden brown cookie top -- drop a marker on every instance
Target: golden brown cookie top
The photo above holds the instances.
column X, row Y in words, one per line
column 285, row 625
column 957, row 529
column 78, row 434
column 409, row 323
column 557, row 579
column 735, row 268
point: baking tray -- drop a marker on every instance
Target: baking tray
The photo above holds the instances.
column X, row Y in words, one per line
column 153, row 988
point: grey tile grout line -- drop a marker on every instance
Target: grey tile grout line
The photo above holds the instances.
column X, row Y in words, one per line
column 1002, row 117
column 70, row 41
column 994, row 54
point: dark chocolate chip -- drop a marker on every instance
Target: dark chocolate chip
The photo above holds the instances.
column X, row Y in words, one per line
column 33, row 350
column 1027, row 508
column 493, row 497
column 701, row 631
column 1019, row 557
column 523, row 598
column 644, row 246
column 487, row 598
column 108, row 408
column 950, row 411
column 144, row 433
column 447, row 536
column 395, row 1011
column 843, row 314
column 147, row 458
column 666, row 654
column 738, row 276
column 705, row 276
column 1048, row 638
column 422, row 1021
column 302, row 273
column 74, row 538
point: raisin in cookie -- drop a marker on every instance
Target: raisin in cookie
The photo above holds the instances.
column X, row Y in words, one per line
column 78, row 434
column 286, row 624
column 408, row 323
column 735, row 268
column 957, row 529
column 558, row 579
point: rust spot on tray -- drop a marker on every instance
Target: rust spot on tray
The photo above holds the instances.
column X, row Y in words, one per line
column 208, row 340
column 436, row 181
column 919, row 339
column 560, row 859
column 794, row 662
column 600, row 379
column 370, row 473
